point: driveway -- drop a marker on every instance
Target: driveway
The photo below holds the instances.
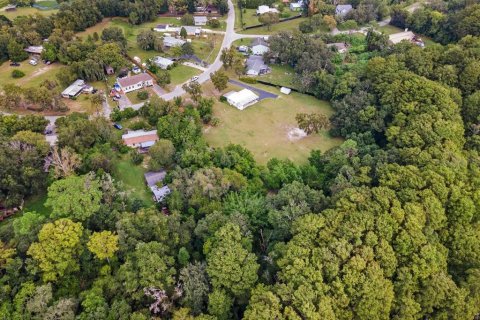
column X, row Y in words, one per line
column 124, row 102
column 262, row 94
column 158, row 90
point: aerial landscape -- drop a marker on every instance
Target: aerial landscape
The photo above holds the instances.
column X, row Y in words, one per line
column 239, row 159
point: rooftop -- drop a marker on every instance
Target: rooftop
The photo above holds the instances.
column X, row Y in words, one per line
column 400, row 36
column 200, row 18
column 160, row 193
column 343, row 9
column 162, row 61
column 256, row 63
column 34, row 49
column 153, row 178
column 129, row 81
column 139, row 137
column 74, row 88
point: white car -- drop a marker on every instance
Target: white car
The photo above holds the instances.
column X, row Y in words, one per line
column 33, row 62
column 194, row 78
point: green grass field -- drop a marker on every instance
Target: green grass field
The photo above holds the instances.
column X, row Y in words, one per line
column 25, row 11
column 281, row 26
column 182, row 73
column 263, row 128
column 281, row 75
column 34, row 75
column 133, row 179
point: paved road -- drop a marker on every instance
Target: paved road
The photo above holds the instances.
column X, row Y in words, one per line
column 262, row 94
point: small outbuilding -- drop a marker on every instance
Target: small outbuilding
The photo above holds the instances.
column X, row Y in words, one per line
column 265, row 9
column 341, row 47
column 285, row 90
column 34, row 50
column 343, row 9
column 296, row 6
column 109, row 70
column 241, row 99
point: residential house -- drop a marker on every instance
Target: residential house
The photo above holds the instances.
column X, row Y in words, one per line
column 161, row 28
column 34, row 50
column 172, row 42
column 162, row 63
column 343, row 9
column 74, row 89
column 259, row 46
column 296, row 6
column 401, row 36
column 140, row 139
column 10, row 7
column 241, row 99
column 200, row 20
column 138, row 81
column 265, row 9
column 191, row 30
column 153, row 180
column 341, row 47
column 256, row 66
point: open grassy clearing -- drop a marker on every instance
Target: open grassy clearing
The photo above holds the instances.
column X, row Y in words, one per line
column 250, row 17
column 47, row 3
column 133, row 179
column 182, row 73
column 281, row 26
column 25, row 11
column 207, row 48
column 263, row 128
column 34, row 75
column 281, row 75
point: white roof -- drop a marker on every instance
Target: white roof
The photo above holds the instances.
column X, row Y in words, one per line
column 138, row 133
column 259, row 49
column 34, row 49
column 162, row 61
column 264, row 9
column 200, row 18
column 285, row 90
column 242, row 97
column 400, row 36
column 160, row 193
column 74, row 88
column 173, row 41
column 296, row 5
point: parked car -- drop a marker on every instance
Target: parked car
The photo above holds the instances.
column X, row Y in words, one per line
column 194, row 78
column 117, row 126
column 47, row 62
column 115, row 99
column 14, row 64
column 33, row 62
column 94, row 90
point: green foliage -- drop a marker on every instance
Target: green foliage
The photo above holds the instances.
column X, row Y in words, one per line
column 57, row 249
column 17, row 74
column 103, row 244
column 161, row 154
column 142, row 95
column 74, row 197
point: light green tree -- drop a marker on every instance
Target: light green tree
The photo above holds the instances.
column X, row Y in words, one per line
column 57, row 249
column 103, row 244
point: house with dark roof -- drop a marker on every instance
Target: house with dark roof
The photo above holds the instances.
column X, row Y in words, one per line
column 256, row 66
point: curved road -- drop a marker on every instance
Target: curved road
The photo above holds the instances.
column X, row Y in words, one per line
column 228, row 39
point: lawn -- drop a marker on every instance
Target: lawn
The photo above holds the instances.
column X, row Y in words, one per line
column 47, row 4
column 263, row 128
column 181, row 73
column 133, row 179
column 281, row 75
column 34, row 75
column 203, row 47
column 25, row 11
column 281, row 26
column 250, row 18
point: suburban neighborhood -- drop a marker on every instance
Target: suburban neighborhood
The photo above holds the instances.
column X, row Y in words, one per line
column 225, row 159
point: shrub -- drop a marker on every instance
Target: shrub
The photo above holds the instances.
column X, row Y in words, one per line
column 213, row 23
column 136, row 157
column 17, row 74
column 142, row 95
column 141, row 124
column 248, row 80
column 285, row 15
column 305, row 27
column 223, row 99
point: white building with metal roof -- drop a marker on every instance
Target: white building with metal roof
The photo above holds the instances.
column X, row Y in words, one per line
column 74, row 89
column 241, row 99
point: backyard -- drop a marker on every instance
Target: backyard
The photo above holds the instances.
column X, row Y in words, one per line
column 281, row 26
column 25, row 11
column 265, row 128
column 281, row 75
column 132, row 177
column 182, row 73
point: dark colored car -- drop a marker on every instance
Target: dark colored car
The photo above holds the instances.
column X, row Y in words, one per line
column 14, row 64
column 94, row 90
column 117, row 126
